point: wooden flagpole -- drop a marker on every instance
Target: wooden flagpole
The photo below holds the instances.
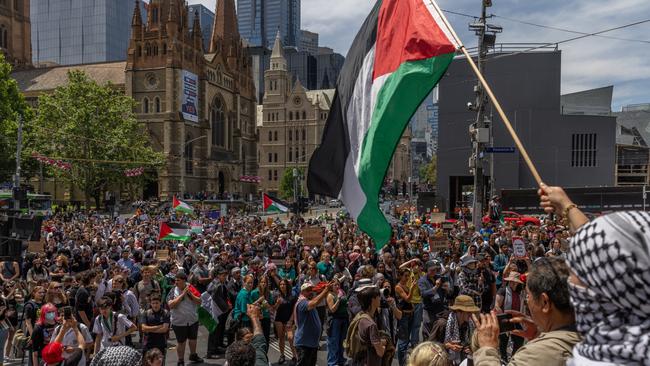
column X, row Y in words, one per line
column 493, row 98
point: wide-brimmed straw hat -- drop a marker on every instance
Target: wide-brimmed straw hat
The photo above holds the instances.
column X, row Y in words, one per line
column 465, row 303
column 514, row 277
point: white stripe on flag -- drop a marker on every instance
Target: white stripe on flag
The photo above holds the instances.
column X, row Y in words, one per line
column 358, row 118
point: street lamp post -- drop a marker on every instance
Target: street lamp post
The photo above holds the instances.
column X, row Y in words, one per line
column 184, row 163
column 295, row 191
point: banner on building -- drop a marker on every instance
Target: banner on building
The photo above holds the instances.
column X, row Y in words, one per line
column 189, row 102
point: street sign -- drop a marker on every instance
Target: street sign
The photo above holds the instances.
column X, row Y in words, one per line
column 499, row 150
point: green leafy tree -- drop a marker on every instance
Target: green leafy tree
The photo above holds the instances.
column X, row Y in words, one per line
column 428, row 172
column 12, row 105
column 286, row 183
column 93, row 127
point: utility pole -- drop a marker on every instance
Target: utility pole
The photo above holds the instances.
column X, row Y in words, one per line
column 19, row 150
column 295, row 192
column 481, row 129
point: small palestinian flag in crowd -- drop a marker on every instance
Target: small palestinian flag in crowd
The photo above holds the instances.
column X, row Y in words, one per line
column 272, row 204
column 400, row 53
column 196, row 227
column 182, row 206
column 174, row 231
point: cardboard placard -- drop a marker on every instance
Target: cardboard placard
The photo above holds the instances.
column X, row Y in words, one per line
column 35, row 247
column 447, row 226
column 162, row 254
column 519, row 247
column 437, row 218
column 313, row 236
column 438, row 244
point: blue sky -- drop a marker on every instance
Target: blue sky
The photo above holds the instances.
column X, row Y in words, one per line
column 586, row 63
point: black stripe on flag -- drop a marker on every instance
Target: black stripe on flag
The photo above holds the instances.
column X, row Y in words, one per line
column 177, row 226
column 327, row 164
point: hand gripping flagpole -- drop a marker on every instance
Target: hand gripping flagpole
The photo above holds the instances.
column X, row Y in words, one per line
column 493, row 98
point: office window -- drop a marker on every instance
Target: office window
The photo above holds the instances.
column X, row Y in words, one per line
column 290, row 153
column 270, row 158
column 275, row 157
column 583, row 150
column 270, row 175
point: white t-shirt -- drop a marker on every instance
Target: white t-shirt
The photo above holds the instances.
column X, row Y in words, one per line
column 70, row 339
column 108, row 328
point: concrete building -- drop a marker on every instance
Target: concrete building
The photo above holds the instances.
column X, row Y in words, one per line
column 633, row 145
column 290, row 123
column 308, row 41
column 568, row 150
column 80, row 31
column 206, row 17
column 15, row 33
column 199, row 108
column 260, row 20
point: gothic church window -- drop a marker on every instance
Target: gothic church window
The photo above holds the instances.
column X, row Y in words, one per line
column 290, row 116
column 304, row 115
column 157, row 104
column 145, row 105
column 218, row 123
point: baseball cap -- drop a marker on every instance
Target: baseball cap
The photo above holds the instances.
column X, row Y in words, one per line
column 53, row 353
column 306, row 286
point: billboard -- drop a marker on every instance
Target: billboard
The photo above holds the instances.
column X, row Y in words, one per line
column 190, row 94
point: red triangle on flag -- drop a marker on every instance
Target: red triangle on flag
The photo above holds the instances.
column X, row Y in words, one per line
column 267, row 201
column 164, row 230
column 175, row 202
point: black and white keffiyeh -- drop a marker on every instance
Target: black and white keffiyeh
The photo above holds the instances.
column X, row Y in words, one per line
column 117, row 356
column 611, row 256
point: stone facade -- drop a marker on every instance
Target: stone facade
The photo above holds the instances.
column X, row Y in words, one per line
column 290, row 122
column 210, row 155
column 15, row 33
column 213, row 153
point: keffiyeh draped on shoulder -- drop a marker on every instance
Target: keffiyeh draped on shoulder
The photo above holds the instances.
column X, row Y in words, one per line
column 611, row 256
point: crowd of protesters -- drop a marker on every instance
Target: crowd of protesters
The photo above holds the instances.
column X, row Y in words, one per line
column 578, row 295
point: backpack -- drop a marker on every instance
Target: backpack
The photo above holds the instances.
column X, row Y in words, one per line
column 352, row 345
column 439, row 328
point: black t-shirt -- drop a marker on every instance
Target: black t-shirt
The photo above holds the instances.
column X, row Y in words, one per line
column 41, row 337
column 151, row 318
column 83, row 304
column 31, row 310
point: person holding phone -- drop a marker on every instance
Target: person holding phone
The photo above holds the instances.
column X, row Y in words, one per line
column 68, row 345
column 510, row 297
column 67, row 334
column 551, row 328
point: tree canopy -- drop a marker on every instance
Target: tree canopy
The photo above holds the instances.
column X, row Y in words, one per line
column 12, row 105
column 93, row 127
column 286, row 183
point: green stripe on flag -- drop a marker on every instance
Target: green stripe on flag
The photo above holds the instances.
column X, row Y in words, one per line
column 402, row 93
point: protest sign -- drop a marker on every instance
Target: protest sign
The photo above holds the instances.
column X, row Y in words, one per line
column 313, row 236
column 162, row 254
column 437, row 218
column 35, row 247
column 438, row 244
column 519, row 247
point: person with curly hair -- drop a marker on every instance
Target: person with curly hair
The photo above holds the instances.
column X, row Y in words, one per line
column 250, row 353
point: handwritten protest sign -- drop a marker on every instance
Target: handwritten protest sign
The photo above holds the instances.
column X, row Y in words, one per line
column 313, row 236
column 519, row 247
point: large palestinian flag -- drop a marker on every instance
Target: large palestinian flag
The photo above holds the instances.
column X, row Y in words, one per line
column 396, row 59
column 272, row 204
column 174, row 231
column 182, row 206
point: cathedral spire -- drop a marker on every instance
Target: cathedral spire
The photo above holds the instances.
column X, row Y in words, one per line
column 137, row 16
column 172, row 19
column 197, row 33
column 225, row 26
column 278, row 62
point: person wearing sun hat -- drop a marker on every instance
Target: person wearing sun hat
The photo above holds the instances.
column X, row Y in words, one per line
column 460, row 327
column 511, row 297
